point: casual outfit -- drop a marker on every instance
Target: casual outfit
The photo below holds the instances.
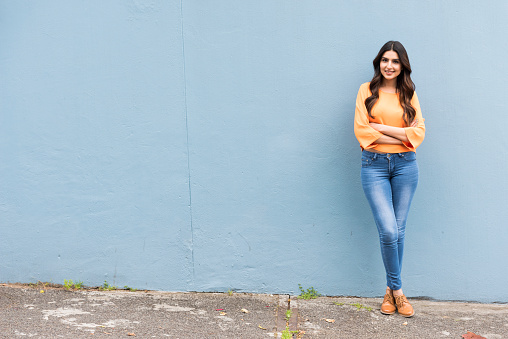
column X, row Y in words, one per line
column 389, row 175
column 386, row 111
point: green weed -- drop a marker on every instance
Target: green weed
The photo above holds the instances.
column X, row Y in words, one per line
column 357, row 305
column 71, row 285
column 107, row 287
column 68, row 284
column 287, row 334
column 288, row 314
column 360, row 306
column 310, row 293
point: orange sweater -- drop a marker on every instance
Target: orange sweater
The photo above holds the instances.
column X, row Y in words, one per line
column 386, row 111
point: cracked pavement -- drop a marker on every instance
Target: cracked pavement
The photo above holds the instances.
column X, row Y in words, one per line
column 58, row 313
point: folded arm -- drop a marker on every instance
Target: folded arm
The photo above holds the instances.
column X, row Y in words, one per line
column 385, row 139
column 372, row 134
column 397, row 133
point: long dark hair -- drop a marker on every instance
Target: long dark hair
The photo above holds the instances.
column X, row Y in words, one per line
column 405, row 86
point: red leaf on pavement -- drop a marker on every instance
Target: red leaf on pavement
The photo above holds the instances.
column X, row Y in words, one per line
column 471, row 335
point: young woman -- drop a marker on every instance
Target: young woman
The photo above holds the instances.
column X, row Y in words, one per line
column 389, row 127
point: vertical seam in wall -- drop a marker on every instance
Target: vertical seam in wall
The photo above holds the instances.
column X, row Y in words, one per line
column 188, row 148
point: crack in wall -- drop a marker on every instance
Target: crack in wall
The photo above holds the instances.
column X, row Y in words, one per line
column 187, row 142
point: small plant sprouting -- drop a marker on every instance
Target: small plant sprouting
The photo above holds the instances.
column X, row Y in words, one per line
column 107, row 287
column 40, row 285
column 288, row 314
column 360, row 306
column 310, row 293
column 70, row 285
column 357, row 305
column 230, row 292
column 130, row 288
column 287, row 334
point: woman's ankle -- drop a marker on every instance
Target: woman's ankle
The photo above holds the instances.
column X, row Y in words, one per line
column 397, row 292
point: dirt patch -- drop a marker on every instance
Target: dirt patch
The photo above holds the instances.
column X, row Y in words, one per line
column 52, row 286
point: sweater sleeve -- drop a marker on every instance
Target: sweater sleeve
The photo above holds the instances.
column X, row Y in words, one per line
column 365, row 134
column 415, row 135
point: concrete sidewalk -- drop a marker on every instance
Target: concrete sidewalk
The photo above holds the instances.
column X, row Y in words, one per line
column 57, row 313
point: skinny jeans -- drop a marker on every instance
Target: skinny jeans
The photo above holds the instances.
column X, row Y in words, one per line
column 389, row 182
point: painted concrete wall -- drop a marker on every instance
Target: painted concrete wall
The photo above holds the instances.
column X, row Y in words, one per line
column 208, row 145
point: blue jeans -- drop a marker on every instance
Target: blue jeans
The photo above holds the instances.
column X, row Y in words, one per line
column 389, row 182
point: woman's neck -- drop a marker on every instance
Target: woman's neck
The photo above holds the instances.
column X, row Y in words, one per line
column 389, row 86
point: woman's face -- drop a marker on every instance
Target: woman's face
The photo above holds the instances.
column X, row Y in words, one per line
column 390, row 65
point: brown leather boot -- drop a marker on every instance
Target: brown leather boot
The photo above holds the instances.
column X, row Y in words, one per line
column 403, row 306
column 388, row 305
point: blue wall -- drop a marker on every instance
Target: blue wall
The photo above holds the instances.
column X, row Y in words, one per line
column 208, row 145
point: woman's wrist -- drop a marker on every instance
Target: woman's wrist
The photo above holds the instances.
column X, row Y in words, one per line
column 378, row 127
column 381, row 128
column 386, row 139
